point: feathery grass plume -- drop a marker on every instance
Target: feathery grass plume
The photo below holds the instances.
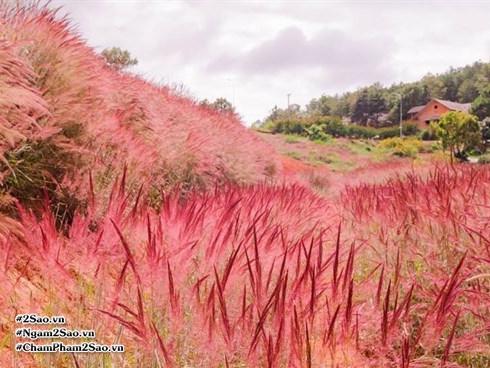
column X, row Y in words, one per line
column 181, row 295
column 252, row 274
column 56, row 90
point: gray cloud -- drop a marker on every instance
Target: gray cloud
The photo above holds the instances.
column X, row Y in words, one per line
column 335, row 55
column 257, row 52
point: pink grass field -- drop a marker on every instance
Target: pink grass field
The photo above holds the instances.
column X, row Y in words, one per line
column 242, row 262
column 52, row 83
column 267, row 276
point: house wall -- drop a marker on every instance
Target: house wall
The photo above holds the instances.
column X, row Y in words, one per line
column 430, row 110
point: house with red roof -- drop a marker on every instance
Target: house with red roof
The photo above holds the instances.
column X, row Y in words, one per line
column 433, row 110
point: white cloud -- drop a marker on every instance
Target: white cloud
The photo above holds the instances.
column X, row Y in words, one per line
column 257, row 52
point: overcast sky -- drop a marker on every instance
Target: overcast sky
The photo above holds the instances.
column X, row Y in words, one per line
column 256, row 52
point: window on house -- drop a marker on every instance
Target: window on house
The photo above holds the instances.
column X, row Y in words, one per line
column 435, row 107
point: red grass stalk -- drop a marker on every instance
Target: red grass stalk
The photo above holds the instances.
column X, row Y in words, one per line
column 223, row 310
column 384, row 320
column 336, row 261
column 348, row 308
column 162, row 347
column 171, row 288
column 449, row 293
column 380, row 285
column 405, row 363
column 329, row 332
column 131, row 260
column 450, row 340
column 308, row 347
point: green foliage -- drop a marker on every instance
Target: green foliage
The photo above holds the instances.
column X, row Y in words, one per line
column 321, row 106
column 118, row 59
column 412, row 95
column 35, row 174
column 377, row 105
column 356, row 131
column 484, row 159
column 316, row 132
column 481, row 105
column 428, row 135
column 369, row 105
column 221, row 104
column 458, row 132
column 322, row 128
column 403, row 147
column 485, row 130
column 287, row 126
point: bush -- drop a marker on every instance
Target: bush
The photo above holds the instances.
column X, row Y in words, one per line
column 334, row 126
column 403, row 147
column 428, row 135
column 357, row 131
column 317, row 133
column 285, row 127
column 394, row 131
column 484, row 159
column 34, row 174
column 459, row 133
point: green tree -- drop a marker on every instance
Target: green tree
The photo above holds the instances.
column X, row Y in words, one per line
column 481, row 105
column 275, row 114
column 369, row 105
column 361, row 108
column 321, row 106
column 221, row 104
column 485, row 130
column 458, row 132
column 467, row 91
column 376, row 102
column 118, row 59
column 412, row 95
column 435, row 86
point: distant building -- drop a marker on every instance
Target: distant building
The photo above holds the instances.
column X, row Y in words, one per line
column 433, row 110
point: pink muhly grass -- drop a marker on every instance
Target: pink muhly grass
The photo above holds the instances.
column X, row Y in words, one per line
column 261, row 304
column 257, row 275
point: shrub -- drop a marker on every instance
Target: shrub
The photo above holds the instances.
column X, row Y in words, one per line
column 484, row 159
column 428, row 135
column 459, row 132
column 317, row 133
column 35, row 173
column 403, row 147
column 357, row 131
column 285, row 126
column 394, row 131
column 335, row 127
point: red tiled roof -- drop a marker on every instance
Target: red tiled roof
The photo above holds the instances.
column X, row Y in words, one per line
column 456, row 106
column 415, row 109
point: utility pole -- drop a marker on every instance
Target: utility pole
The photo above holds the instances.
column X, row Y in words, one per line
column 401, row 113
column 289, row 111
